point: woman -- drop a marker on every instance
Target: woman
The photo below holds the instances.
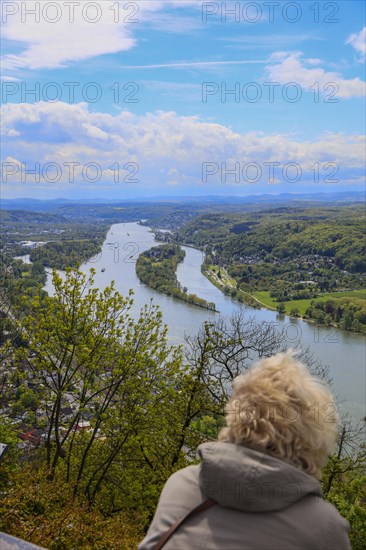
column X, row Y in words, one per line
column 263, row 472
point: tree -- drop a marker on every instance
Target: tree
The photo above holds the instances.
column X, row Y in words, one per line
column 27, row 400
column 227, row 347
column 9, row 459
column 344, row 479
column 107, row 383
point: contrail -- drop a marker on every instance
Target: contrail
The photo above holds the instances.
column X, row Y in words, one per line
column 184, row 64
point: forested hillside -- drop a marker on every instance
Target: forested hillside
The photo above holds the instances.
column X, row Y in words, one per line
column 287, row 255
column 285, row 233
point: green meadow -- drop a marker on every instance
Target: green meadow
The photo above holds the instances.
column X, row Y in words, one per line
column 302, row 305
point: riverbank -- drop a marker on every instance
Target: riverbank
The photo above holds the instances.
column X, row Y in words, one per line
column 296, row 309
column 221, row 279
column 157, row 268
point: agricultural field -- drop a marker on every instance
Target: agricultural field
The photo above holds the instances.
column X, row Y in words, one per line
column 302, row 305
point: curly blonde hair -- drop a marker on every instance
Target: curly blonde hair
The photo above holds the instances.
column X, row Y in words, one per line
column 279, row 408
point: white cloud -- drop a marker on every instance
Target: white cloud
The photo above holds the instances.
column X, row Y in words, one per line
column 95, row 132
column 313, row 61
column 9, row 78
column 358, row 41
column 168, row 149
column 13, row 160
column 292, row 67
column 52, row 45
column 65, row 35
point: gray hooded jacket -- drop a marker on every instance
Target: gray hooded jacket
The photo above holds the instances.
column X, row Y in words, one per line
column 263, row 504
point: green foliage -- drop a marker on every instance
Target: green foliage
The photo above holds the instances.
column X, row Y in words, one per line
column 157, row 268
column 349, row 497
column 44, row 512
column 17, row 279
column 347, row 313
column 345, row 487
column 208, row 426
column 89, row 353
column 9, row 460
column 68, row 253
column 26, row 400
column 118, row 401
column 329, row 236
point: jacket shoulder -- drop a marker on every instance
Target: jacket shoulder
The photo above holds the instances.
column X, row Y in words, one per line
column 181, row 493
column 337, row 528
column 321, row 521
column 184, row 483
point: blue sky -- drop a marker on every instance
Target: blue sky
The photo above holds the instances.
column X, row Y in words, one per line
column 151, row 98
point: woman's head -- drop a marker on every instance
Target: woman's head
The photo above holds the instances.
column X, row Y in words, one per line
column 279, row 408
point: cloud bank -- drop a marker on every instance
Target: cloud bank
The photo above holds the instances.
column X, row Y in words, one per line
column 165, row 149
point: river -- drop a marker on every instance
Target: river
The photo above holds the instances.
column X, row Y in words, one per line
column 343, row 351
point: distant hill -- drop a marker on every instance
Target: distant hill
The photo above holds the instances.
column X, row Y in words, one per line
column 39, row 205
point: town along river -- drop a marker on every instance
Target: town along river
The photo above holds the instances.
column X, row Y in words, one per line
column 343, row 351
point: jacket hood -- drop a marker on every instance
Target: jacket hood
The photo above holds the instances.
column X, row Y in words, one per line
column 244, row 479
